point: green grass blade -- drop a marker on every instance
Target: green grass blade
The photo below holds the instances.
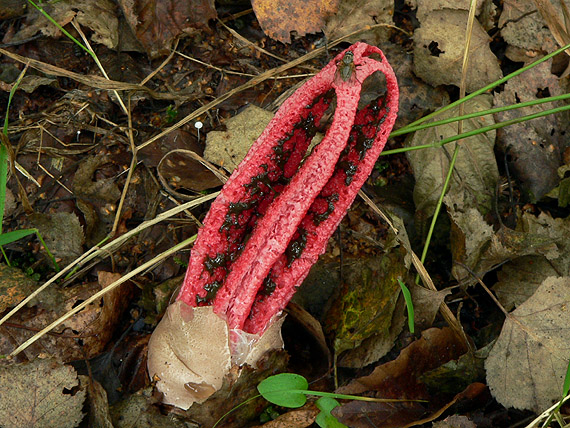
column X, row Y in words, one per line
column 63, row 30
column 407, row 130
column 489, row 86
column 409, row 304
column 8, row 238
column 478, row 131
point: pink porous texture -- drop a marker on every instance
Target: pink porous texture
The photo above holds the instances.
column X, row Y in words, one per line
column 276, row 213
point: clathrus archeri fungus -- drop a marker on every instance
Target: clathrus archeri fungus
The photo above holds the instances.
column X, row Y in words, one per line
column 269, row 225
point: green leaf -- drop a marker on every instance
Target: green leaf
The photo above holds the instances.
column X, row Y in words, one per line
column 7, row 238
column 285, row 389
column 409, row 304
column 325, row 419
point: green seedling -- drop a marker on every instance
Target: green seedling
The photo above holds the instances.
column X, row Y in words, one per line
column 409, row 304
column 291, row 390
column 171, row 114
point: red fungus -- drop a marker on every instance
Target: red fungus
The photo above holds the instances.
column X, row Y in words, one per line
column 275, row 214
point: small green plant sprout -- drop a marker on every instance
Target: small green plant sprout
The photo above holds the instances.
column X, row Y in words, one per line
column 171, row 113
column 409, row 304
column 291, row 390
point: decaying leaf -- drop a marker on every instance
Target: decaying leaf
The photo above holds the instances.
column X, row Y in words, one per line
column 96, row 198
column 425, row 7
column 426, row 304
column 416, row 97
column 400, row 378
column 100, row 16
column 475, row 245
column 402, row 375
column 279, row 18
column 527, row 365
column 366, row 304
column 523, row 26
column 354, row 15
column 15, row 286
column 99, row 416
column 40, row 394
column 439, row 46
column 62, row 234
column 519, row 279
column 476, row 174
column 455, row 421
column 228, row 148
column 83, row 336
column 536, row 142
column 156, row 24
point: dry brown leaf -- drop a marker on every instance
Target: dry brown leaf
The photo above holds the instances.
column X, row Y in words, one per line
column 439, row 46
column 536, row 142
column 455, row 421
column 297, row 418
column 400, row 377
column 475, row 176
column 62, row 234
column 40, row 394
column 278, row 18
column 426, row 305
column 157, row 23
column 100, row 16
column 99, row 415
column 524, row 27
column 519, row 279
column 527, row 365
column 425, row 7
column 228, row 148
column 83, row 336
column 355, row 15
column 15, row 286
column 416, row 97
